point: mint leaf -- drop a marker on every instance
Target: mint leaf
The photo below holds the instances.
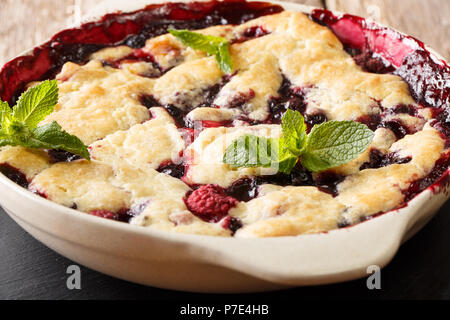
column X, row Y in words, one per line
column 217, row 46
column 329, row 145
column 286, row 159
column 5, row 114
column 6, row 140
column 49, row 136
column 198, row 41
column 223, row 57
column 335, row 143
column 37, row 103
column 294, row 131
column 252, row 151
column 52, row 136
column 19, row 126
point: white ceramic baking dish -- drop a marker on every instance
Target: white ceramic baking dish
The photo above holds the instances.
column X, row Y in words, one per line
column 210, row 264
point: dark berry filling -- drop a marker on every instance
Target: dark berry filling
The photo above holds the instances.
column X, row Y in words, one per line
column 427, row 80
column 289, row 98
column 172, row 169
column 62, row 156
column 149, row 101
column 210, row 94
column 397, row 127
column 244, row 189
column 379, row 160
column 372, row 121
column 402, row 109
column 442, row 124
column 370, row 62
column 344, row 224
column 315, row 119
column 240, row 99
column 14, row 174
column 233, row 224
column 177, row 114
column 367, row 218
column 247, row 189
column 105, row 214
column 328, row 182
column 298, row 177
column 123, row 215
column 61, row 53
column 251, row 33
column 439, row 173
column 138, row 56
column 136, row 41
column 141, row 55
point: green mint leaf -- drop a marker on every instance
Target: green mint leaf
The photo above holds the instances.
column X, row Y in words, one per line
column 217, row 46
column 294, row 131
column 49, row 136
column 14, row 128
column 291, row 143
column 251, row 151
column 52, row 136
column 36, row 103
column 5, row 114
column 335, row 143
column 6, row 140
column 15, row 133
column 19, row 126
column 286, row 159
column 223, row 57
column 329, row 145
column 198, row 41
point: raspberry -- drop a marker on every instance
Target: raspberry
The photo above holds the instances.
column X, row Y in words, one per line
column 210, row 203
column 105, row 214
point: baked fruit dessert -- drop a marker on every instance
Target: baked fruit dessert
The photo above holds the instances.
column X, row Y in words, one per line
column 161, row 108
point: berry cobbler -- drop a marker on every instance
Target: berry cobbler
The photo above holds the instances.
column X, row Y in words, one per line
column 158, row 116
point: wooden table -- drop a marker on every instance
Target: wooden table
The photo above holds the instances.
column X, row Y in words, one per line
column 26, row 23
column 29, row 270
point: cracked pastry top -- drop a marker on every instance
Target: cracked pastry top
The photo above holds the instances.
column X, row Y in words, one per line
column 158, row 116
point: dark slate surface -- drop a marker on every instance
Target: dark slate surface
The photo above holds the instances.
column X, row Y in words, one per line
column 29, row 270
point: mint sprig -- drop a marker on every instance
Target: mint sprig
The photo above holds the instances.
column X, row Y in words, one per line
column 214, row 46
column 248, row 150
column 335, row 143
column 328, row 145
column 19, row 126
